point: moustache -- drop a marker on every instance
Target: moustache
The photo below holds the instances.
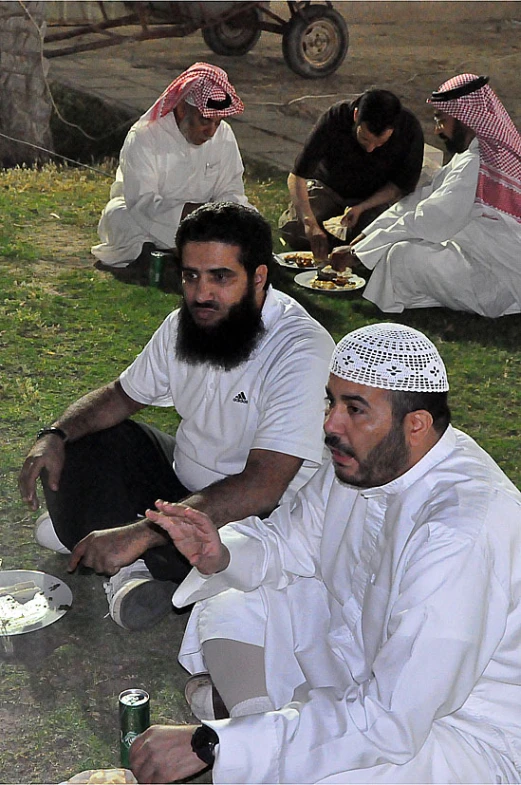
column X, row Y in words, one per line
column 335, row 443
column 205, row 307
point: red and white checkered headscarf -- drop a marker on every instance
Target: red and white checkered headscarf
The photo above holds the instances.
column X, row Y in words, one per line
column 205, row 86
column 499, row 183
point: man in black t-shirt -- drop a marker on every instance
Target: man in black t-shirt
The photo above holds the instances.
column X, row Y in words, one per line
column 360, row 157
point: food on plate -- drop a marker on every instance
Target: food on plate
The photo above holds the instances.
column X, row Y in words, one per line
column 316, row 283
column 344, row 282
column 104, row 777
column 300, row 258
column 327, row 273
column 16, row 614
column 20, row 591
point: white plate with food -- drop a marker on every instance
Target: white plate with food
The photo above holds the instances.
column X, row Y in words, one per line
column 309, row 280
column 296, row 260
column 30, row 600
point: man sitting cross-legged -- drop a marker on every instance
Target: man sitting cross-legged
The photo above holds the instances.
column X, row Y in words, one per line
column 244, row 365
column 370, row 631
column 455, row 243
column 179, row 155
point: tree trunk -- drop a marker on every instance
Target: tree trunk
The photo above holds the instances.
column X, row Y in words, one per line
column 25, row 105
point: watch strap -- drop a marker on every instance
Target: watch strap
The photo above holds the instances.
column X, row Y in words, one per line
column 52, row 430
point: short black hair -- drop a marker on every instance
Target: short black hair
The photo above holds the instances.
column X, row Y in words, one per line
column 232, row 224
column 379, row 110
column 436, row 403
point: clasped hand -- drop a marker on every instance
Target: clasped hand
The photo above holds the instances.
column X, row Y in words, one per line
column 193, row 534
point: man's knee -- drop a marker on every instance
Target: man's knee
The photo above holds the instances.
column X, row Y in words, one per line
column 291, row 230
column 234, row 615
column 404, row 252
column 109, row 478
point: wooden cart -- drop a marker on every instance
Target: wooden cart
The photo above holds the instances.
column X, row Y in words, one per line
column 315, row 37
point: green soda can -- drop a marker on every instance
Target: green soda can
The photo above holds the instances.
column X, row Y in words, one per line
column 134, row 718
column 157, row 260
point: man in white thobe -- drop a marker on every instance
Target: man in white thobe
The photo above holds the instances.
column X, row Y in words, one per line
column 371, row 630
column 457, row 241
column 179, row 155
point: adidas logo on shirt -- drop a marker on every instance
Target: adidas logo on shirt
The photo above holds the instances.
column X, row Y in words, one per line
column 241, row 398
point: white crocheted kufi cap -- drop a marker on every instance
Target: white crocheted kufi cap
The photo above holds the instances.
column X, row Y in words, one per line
column 392, row 357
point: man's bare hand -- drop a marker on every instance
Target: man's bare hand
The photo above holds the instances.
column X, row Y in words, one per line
column 351, row 216
column 47, row 453
column 193, row 534
column 109, row 550
column 163, row 753
column 343, row 256
column 317, row 239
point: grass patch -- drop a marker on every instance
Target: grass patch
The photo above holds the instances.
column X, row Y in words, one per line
column 66, row 328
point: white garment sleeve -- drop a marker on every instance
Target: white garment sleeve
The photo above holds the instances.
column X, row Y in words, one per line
column 436, row 217
column 272, row 552
column 155, row 198
column 291, row 404
column 156, row 214
column 229, row 186
column 448, row 616
column 147, row 380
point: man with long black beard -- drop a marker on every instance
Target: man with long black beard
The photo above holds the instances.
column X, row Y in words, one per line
column 227, row 343
column 244, row 366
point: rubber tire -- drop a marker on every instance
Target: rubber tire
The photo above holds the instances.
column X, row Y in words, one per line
column 301, row 26
column 224, row 39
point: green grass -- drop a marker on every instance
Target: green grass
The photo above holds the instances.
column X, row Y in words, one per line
column 66, row 328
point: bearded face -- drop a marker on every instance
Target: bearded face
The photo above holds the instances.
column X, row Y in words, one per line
column 224, row 343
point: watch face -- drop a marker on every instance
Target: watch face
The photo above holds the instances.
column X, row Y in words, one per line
column 204, row 741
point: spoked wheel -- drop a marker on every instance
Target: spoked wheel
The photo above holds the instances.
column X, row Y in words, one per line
column 236, row 36
column 315, row 41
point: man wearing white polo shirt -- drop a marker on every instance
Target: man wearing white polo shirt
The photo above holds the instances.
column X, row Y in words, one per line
column 244, row 366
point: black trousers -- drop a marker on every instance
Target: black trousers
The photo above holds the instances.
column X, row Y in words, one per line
column 325, row 204
column 109, row 479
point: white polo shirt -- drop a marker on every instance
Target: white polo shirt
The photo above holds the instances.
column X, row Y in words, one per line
column 273, row 401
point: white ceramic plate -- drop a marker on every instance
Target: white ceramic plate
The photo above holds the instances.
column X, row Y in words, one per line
column 55, row 591
column 281, row 258
column 304, row 279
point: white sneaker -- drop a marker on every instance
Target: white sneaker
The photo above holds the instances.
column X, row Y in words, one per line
column 136, row 600
column 45, row 535
column 204, row 700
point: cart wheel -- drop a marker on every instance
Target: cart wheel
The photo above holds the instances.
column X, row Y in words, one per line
column 236, row 36
column 315, row 41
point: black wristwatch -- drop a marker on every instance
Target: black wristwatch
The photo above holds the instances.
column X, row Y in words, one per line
column 52, row 430
column 204, row 741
